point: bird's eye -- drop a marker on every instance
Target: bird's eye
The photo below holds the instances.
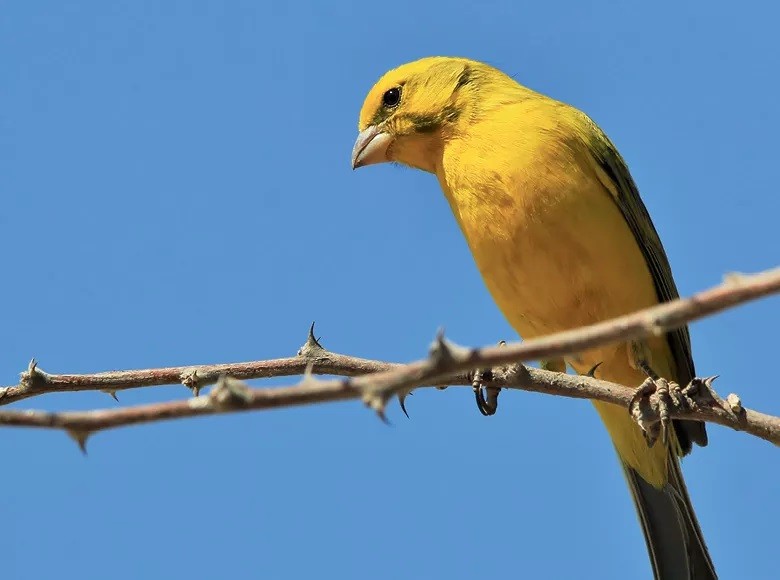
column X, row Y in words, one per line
column 392, row 97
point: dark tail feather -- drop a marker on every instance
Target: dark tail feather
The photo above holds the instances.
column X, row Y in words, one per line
column 672, row 534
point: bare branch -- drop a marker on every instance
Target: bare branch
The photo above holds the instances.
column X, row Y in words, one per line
column 447, row 358
column 233, row 395
column 375, row 381
column 37, row 382
column 735, row 290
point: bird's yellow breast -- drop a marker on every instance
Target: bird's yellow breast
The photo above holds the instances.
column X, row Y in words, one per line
column 552, row 246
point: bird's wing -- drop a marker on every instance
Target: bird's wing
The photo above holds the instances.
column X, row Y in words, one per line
column 626, row 196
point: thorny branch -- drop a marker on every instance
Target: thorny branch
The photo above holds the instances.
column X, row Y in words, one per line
column 375, row 382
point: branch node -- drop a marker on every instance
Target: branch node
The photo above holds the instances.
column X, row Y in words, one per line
column 190, row 379
column 657, row 324
column 517, row 375
column 734, row 279
column 230, row 393
column 443, row 352
column 735, row 404
column 699, row 392
column 33, row 377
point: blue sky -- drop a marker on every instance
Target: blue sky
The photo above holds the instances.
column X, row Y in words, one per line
column 176, row 189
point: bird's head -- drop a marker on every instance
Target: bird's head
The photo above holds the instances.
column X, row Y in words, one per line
column 412, row 109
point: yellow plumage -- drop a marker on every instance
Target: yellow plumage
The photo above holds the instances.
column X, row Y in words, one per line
column 561, row 239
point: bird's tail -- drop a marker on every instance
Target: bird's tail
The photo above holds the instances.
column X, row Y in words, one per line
column 672, row 534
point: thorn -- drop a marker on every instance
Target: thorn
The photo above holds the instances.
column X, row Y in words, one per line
column 592, row 372
column 33, row 377
column 312, row 338
column 312, row 345
column 443, row 351
column 111, row 393
column 383, row 418
column 440, row 344
column 402, row 401
column 376, row 402
column 80, row 436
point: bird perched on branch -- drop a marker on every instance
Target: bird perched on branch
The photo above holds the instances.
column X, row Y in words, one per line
column 562, row 239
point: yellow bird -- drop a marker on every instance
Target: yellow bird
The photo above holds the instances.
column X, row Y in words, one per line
column 562, row 239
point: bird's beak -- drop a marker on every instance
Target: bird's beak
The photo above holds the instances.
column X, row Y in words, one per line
column 370, row 147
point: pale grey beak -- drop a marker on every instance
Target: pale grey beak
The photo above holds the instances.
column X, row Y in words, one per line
column 370, row 147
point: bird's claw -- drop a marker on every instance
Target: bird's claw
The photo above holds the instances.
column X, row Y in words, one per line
column 660, row 394
column 652, row 404
column 660, row 397
column 486, row 397
column 402, row 402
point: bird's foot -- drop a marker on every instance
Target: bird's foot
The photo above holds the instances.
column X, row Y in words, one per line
column 486, row 397
column 658, row 394
column 657, row 399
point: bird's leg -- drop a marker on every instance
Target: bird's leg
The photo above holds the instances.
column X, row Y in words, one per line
column 657, row 397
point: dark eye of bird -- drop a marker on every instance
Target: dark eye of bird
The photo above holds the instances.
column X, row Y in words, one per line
column 392, row 97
